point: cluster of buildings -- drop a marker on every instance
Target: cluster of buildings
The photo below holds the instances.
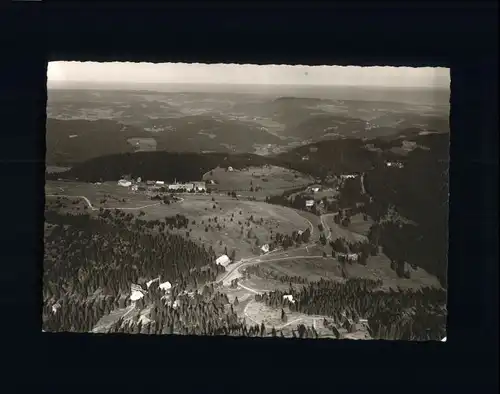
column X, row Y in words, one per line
column 187, row 186
column 395, row 164
column 138, row 292
column 350, row 257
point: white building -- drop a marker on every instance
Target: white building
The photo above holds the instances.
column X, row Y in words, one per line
column 352, row 256
column 124, row 183
column 289, row 297
column 159, row 183
column 305, row 158
column 230, row 169
column 165, row 286
column 309, row 203
column 134, row 188
column 223, row 260
column 348, row 176
column 136, row 295
column 137, row 292
column 56, row 307
column 265, row 248
column 199, row 186
column 395, row 164
column 315, row 189
column 179, row 186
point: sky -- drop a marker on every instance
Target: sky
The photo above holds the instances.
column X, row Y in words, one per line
column 196, row 73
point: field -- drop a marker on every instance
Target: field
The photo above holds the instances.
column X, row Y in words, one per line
column 115, row 196
column 257, row 313
column 316, row 268
column 360, row 226
column 312, row 269
column 206, row 211
column 338, row 231
column 233, row 217
column 143, row 144
column 268, row 178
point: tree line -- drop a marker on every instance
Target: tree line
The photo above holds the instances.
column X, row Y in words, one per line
column 406, row 314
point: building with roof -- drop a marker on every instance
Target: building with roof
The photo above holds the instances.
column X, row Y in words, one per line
column 165, row 286
column 309, row 203
column 265, row 248
column 56, row 307
column 199, row 186
column 348, row 176
column 159, row 183
column 137, row 292
column 395, row 164
column 124, row 183
column 289, row 297
column 223, row 260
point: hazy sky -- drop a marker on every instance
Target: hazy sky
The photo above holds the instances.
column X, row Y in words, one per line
column 115, row 72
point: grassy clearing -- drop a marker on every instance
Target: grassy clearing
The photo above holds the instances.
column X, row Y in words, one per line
column 310, row 269
column 341, row 232
column 268, row 178
column 379, row 267
column 232, row 215
column 115, row 196
column 360, row 226
column 143, row 144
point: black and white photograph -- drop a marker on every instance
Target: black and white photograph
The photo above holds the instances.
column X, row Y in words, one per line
column 246, row 200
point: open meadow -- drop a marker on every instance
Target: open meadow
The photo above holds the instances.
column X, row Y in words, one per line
column 266, row 179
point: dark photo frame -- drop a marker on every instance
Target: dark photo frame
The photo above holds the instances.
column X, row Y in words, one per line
column 460, row 36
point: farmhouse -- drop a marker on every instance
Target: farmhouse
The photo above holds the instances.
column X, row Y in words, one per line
column 348, row 176
column 309, row 203
column 165, row 286
column 182, row 186
column 352, row 257
column 230, row 169
column 134, row 188
column 289, row 297
column 199, row 186
column 124, row 183
column 159, row 183
column 56, row 307
column 395, row 164
column 265, row 248
column 223, row 260
column 137, row 292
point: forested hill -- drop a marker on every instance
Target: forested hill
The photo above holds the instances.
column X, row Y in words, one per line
column 419, row 192
column 164, row 166
column 337, row 156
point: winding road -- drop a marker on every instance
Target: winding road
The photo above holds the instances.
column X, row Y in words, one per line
column 233, row 272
